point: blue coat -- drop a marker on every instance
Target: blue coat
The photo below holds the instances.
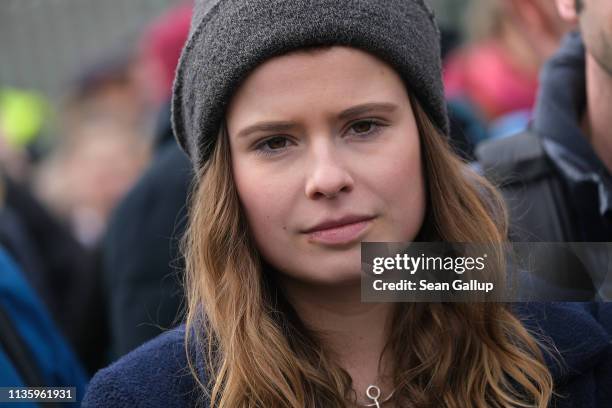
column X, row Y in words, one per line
column 156, row 374
column 51, row 356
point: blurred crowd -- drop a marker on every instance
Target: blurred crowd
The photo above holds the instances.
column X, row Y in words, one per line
column 93, row 189
column 64, row 168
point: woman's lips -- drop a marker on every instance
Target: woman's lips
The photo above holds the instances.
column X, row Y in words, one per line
column 340, row 234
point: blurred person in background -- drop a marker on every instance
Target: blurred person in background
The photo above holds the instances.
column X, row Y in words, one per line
column 57, row 267
column 92, row 170
column 102, row 150
column 142, row 265
column 557, row 174
column 495, row 73
column 54, row 233
column 63, row 273
column 33, row 352
column 107, row 88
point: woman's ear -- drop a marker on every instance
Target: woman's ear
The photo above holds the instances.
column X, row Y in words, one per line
column 568, row 10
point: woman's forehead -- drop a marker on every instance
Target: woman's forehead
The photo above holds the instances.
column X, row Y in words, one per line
column 311, row 65
column 328, row 78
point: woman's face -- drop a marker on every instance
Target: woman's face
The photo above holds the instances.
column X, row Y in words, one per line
column 325, row 154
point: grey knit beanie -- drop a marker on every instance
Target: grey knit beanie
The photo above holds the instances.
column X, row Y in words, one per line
column 229, row 38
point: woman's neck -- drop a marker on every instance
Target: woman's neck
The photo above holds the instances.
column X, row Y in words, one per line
column 354, row 332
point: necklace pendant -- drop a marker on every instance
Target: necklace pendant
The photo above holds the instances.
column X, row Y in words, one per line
column 373, row 393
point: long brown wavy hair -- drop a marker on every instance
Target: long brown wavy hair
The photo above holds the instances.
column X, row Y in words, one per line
column 258, row 353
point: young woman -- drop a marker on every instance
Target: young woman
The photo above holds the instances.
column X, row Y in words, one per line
column 314, row 126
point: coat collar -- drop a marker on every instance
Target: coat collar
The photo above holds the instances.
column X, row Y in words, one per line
column 572, row 338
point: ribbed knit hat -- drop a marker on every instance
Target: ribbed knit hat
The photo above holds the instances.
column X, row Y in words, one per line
column 230, row 38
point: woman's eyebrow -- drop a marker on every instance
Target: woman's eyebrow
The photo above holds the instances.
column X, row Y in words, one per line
column 267, row 127
column 365, row 108
column 353, row 111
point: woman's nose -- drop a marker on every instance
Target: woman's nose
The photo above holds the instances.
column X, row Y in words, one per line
column 328, row 177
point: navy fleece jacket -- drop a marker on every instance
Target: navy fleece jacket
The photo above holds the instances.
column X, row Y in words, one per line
column 156, row 374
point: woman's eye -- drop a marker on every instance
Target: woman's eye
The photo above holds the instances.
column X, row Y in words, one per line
column 276, row 143
column 362, row 127
column 365, row 128
column 273, row 144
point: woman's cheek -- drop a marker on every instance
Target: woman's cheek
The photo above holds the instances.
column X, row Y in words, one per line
column 265, row 207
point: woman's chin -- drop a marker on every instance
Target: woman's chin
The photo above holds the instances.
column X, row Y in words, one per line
column 331, row 274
